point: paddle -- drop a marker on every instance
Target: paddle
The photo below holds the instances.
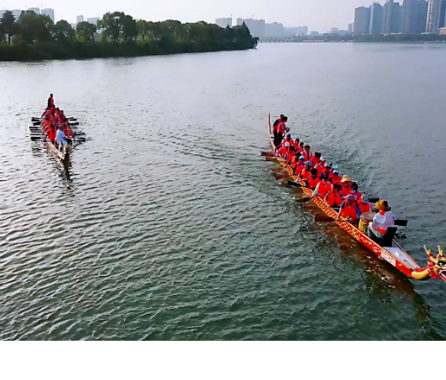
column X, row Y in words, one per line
column 268, row 154
column 292, row 183
column 76, row 123
column 282, row 176
column 328, row 219
column 272, row 159
column 278, row 169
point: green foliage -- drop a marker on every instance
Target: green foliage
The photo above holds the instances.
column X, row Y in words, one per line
column 63, row 31
column 85, row 31
column 39, row 38
column 8, row 25
column 35, row 28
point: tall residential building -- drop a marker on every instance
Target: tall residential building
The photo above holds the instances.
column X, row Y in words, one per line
column 35, row 10
column 305, row 30
column 16, row 13
column 2, row 11
column 224, row 22
column 351, row 27
column 414, row 16
column 443, row 14
column 274, row 29
column 48, row 12
column 93, row 20
column 376, row 19
column 80, row 19
column 434, row 16
column 256, row 27
column 362, row 20
column 392, row 17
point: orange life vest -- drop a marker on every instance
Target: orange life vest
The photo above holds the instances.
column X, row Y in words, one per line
column 364, row 207
column 305, row 174
column 334, row 200
column 349, row 211
column 308, row 156
column 312, row 182
column 335, row 179
column 324, row 189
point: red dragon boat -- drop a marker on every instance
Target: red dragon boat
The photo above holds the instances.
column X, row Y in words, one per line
column 395, row 255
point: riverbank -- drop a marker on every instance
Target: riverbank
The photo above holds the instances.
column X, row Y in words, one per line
column 86, row 50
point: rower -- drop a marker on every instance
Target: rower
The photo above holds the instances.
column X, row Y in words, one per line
column 290, row 154
column 323, row 187
column 364, row 205
column 305, row 174
column 284, row 149
column 381, row 222
column 355, row 192
column 307, row 153
column 349, row 209
column 334, row 198
column 301, row 147
column 299, row 166
column 60, row 139
column 335, row 179
column 51, row 132
column 327, row 171
column 289, row 139
column 296, row 144
column 313, row 181
column 320, row 166
column 346, row 186
column 316, row 159
column 50, row 101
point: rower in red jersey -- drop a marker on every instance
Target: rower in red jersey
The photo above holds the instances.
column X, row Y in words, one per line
column 335, row 178
column 305, row 174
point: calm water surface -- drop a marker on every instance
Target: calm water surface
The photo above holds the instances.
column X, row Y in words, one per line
column 171, row 226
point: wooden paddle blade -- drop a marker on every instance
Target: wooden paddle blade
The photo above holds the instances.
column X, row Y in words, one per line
column 269, row 154
column 402, row 223
column 282, row 176
column 323, row 219
column 272, row 159
column 36, row 123
column 292, row 183
column 373, row 200
column 278, row 169
column 77, row 123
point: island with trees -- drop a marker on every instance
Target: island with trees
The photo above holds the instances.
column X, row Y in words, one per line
column 35, row 37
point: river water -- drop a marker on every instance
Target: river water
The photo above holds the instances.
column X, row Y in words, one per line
column 169, row 224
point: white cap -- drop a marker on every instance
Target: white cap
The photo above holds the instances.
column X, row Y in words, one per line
column 287, row 144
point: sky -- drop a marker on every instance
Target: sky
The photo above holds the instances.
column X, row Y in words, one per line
column 319, row 15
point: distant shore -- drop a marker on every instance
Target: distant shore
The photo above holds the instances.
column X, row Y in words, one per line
column 89, row 50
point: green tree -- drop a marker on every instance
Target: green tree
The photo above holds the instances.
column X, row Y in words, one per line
column 112, row 25
column 8, row 25
column 63, row 31
column 85, row 31
column 34, row 27
column 142, row 28
column 129, row 27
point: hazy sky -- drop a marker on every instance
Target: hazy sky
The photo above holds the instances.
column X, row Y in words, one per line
column 319, row 15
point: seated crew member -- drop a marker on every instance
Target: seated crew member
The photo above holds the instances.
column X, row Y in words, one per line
column 320, row 166
column 301, row 147
column 297, row 169
column 334, row 198
column 60, row 139
column 323, row 187
column 283, row 150
column 305, row 174
column 349, row 209
column 316, row 159
column 364, row 204
column 327, row 171
column 51, row 133
column 313, row 181
column 346, row 186
column 296, row 144
column 356, row 193
column 307, row 153
column 382, row 220
column 335, row 179
column 289, row 139
column 290, row 154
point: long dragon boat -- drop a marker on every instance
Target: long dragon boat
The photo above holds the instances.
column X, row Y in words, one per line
column 394, row 254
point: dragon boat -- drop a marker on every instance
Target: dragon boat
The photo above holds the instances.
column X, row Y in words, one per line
column 394, row 254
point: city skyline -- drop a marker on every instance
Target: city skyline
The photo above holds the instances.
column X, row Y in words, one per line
column 290, row 13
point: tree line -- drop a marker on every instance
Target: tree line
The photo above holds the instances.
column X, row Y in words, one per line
column 34, row 37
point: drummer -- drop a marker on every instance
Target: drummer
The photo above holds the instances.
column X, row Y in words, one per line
column 382, row 220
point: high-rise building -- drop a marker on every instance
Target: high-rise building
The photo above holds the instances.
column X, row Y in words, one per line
column 414, row 16
column 376, row 19
column 362, row 20
column 48, row 12
column 435, row 18
column 224, row 22
column 351, row 27
column 442, row 14
column 93, row 20
column 2, row 11
column 305, row 30
column 392, row 17
column 16, row 13
column 35, row 10
column 256, row 27
column 80, row 19
column 274, row 29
